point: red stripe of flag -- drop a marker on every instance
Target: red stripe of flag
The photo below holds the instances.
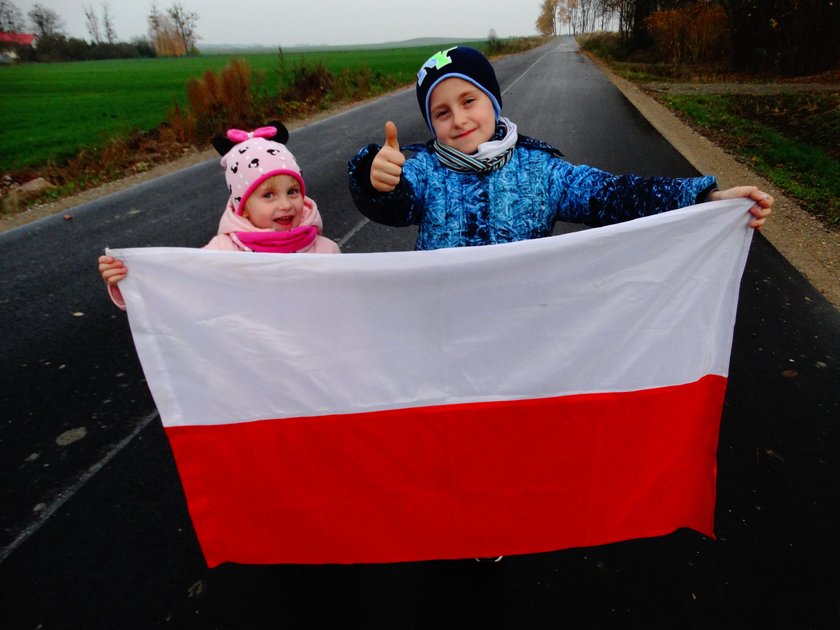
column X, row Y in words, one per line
column 454, row 481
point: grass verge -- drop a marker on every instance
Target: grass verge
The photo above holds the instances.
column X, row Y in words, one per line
column 792, row 139
column 79, row 125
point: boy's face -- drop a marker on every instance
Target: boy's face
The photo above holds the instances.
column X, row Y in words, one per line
column 462, row 115
column 276, row 204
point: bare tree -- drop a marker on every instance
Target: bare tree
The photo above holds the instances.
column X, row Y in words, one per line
column 626, row 12
column 160, row 28
column 493, row 43
column 11, row 19
column 185, row 23
column 567, row 14
column 46, row 22
column 607, row 13
column 92, row 24
column 583, row 12
column 154, row 23
column 547, row 20
column 171, row 38
column 579, row 16
column 108, row 24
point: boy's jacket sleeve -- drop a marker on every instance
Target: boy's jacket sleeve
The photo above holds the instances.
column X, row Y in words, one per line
column 522, row 200
column 395, row 208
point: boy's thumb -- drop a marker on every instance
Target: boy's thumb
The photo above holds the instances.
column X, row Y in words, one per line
column 391, row 136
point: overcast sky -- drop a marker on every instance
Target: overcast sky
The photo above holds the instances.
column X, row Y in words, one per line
column 286, row 23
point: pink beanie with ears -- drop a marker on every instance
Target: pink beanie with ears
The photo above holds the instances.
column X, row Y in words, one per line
column 252, row 160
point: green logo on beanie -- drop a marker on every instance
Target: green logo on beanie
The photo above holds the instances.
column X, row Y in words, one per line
column 437, row 61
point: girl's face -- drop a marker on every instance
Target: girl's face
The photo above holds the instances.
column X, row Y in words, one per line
column 276, row 204
column 462, row 115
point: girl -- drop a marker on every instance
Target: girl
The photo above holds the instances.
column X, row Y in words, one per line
column 268, row 210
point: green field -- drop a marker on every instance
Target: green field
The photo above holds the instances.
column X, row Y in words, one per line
column 50, row 111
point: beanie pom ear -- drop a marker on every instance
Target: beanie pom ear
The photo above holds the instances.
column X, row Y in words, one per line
column 222, row 144
column 282, row 133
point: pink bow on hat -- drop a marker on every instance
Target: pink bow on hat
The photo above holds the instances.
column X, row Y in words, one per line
column 237, row 135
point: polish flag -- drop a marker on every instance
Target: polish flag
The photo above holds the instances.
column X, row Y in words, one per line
column 458, row 403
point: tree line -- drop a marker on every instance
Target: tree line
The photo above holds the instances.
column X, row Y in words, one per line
column 171, row 32
column 782, row 36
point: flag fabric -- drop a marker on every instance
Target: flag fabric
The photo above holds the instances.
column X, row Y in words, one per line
column 457, row 403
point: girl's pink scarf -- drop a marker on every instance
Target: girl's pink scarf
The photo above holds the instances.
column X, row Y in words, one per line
column 276, row 242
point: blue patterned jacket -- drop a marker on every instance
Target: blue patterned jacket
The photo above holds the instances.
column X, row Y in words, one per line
column 521, row 200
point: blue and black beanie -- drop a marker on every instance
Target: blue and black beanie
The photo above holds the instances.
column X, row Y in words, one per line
column 460, row 62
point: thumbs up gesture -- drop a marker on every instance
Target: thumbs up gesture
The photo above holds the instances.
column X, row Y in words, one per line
column 386, row 170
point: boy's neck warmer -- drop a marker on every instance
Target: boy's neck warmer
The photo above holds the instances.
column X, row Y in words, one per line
column 269, row 241
column 490, row 156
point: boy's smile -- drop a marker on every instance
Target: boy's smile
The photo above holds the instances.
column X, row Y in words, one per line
column 462, row 115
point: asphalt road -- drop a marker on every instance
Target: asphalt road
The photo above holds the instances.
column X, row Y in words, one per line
column 95, row 532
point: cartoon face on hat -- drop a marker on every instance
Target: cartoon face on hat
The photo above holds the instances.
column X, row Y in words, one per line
column 252, row 159
column 461, row 62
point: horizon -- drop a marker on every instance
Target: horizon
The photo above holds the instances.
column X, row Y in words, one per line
column 405, row 43
column 268, row 23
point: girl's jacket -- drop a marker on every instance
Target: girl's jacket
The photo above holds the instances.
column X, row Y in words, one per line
column 521, row 200
column 232, row 222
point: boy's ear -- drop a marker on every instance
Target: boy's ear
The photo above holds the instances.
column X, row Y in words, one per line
column 282, row 133
column 222, row 144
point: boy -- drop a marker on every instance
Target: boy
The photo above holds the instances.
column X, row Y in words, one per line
column 479, row 182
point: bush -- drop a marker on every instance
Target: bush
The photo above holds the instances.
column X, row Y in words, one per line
column 494, row 44
column 306, row 87
column 306, row 84
column 610, row 46
column 235, row 97
column 511, row 45
column 696, row 33
column 60, row 48
column 217, row 101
